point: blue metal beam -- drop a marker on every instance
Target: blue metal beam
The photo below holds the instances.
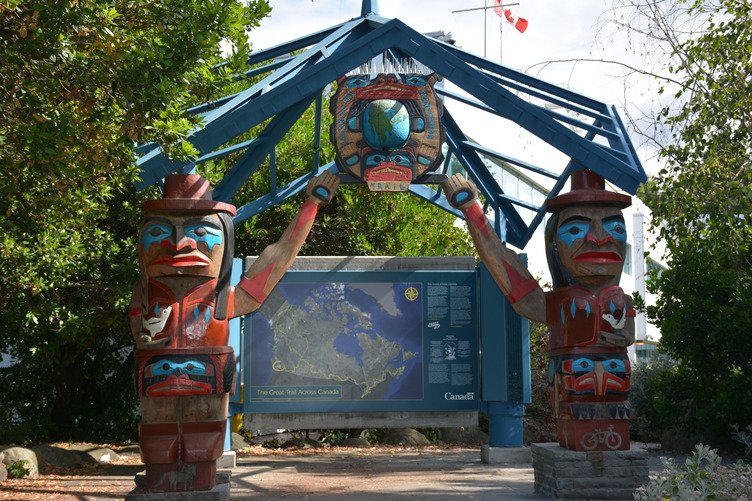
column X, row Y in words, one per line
column 271, row 199
column 486, row 183
column 252, row 159
column 511, row 160
column 219, row 125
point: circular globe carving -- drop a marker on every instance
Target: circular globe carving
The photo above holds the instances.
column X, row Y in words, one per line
column 386, row 124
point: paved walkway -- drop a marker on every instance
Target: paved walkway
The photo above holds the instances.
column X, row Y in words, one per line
column 365, row 475
column 432, row 474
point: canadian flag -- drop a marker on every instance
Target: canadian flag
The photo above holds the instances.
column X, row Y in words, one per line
column 517, row 22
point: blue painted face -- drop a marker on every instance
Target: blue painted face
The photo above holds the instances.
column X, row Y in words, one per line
column 574, row 230
column 155, row 234
column 591, row 244
column 615, row 227
column 171, row 244
column 166, row 367
column 205, row 233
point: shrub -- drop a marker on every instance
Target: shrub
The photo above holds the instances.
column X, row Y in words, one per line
column 18, row 469
column 702, row 477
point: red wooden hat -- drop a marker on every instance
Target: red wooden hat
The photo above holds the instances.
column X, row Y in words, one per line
column 187, row 193
column 588, row 188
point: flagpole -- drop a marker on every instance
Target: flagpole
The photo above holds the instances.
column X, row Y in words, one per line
column 485, row 27
column 485, row 21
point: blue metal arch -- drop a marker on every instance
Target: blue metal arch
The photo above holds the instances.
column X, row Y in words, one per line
column 293, row 83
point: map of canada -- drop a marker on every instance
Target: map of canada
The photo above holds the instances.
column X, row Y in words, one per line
column 365, row 338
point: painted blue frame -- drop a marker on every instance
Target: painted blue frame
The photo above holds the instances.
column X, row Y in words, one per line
column 292, row 82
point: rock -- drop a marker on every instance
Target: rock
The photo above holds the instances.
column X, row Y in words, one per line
column 472, row 435
column 130, row 450
column 237, row 441
column 58, row 457
column 3, row 472
column 13, row 454
column 404, row 436
column 101, row 455
column 355, row 442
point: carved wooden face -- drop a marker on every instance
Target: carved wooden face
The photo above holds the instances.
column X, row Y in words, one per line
column 190, row 244
column 592, row 243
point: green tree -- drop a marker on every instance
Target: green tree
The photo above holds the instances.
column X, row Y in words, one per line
column 80, row 81
column 702, row 208
column 76, row 94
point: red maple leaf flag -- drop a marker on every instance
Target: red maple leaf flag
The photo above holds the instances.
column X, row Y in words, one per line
column 517, row 22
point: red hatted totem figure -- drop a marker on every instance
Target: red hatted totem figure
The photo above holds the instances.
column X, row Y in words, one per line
column 179, row 320
column 590, row 318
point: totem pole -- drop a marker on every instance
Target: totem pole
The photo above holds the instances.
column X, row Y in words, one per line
column 590, row 319
column 179, row 321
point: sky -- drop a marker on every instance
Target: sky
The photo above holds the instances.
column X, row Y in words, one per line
column 557, row 30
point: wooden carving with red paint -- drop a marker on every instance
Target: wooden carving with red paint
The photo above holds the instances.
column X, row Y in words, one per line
column 387, row 128
column 179, row 321
column 591, row 320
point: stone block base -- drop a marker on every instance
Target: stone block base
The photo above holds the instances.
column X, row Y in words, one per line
column 229, row 459
column 505, row 455
column 565, row 474
column 220, row 492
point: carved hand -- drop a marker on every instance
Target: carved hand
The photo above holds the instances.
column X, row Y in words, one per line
column 460, row 192
column 321, row 188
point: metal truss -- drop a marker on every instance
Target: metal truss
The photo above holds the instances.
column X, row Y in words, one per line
column 296, row 74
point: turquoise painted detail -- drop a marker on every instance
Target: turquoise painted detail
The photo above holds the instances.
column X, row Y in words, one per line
column 587, row 310
column 571, row 232
column 155, row 234
column 563, row 318
column 424, row 160
column 616, row 229
column 374, row 160
column 386, row 124
column 167, row 367
column 321, row 192
column 573, row 308
column 352, row 123
column 355, row 82
column 398, row 159
column 205, row 233
column 195, row 312
column 352, row 160
column 420, row 124
column 156, row 309
column 583, row 365
column 207, row 314
column 612, row 307
column 415, row 80
column 461, row 197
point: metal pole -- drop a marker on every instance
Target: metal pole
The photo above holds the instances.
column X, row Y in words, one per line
column 501, row 33
column 485, row 30
column 485, row 21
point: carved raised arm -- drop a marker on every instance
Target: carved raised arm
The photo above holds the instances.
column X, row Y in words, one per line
column 505, row 266
column 277, row 258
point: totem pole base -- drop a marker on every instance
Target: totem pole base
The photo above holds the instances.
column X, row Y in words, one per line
column 565, row 474
column 220, row 492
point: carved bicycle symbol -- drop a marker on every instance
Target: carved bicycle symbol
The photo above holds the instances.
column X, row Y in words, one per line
column 590, row 441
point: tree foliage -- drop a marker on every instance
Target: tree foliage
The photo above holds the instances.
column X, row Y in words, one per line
column 80, row 81
column 702, row 209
